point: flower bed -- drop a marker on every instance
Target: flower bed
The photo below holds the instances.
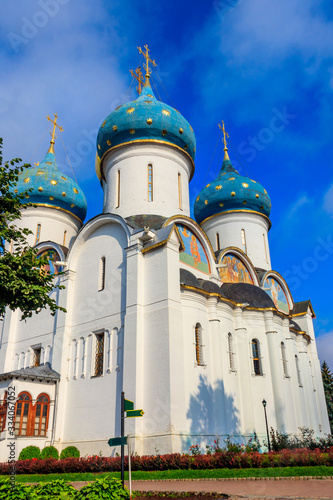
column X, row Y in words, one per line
column 298, row 457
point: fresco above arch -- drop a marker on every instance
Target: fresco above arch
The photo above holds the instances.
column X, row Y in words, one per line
column 53, row 257
column 235, row 271
column 194, row 254
column 277, row 294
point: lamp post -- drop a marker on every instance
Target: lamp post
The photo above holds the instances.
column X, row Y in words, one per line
column 264, row 403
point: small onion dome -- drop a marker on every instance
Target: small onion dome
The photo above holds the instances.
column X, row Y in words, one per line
column 145, row 119
column 50, row 187
column 231, row 191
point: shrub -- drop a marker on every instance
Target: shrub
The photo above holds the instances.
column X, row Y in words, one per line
column 70, row 452
column 103, row 488
column 29, row 452
column 20, row 492
column 50, row 452
column 55, row 490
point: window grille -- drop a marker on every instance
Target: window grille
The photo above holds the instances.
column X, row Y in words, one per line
column 150, row 182
column 102, row 275
column 284, row 360
column 198, row 344
column 230, row 353
column 243, row 241
column 298, row 371
column 41, row 415
column 99, row 354
column 38, row 233
column 256, row 357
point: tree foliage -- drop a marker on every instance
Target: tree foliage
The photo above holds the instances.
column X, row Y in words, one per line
column 328, row 388
column 23, row 283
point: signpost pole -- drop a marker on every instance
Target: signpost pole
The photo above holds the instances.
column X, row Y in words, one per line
column 129, row 467
column 122, row 433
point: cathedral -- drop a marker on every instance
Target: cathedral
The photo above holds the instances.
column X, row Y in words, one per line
column 188, row 317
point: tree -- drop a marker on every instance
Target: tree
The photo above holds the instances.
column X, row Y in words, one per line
column 23, row 282
column 328, row 388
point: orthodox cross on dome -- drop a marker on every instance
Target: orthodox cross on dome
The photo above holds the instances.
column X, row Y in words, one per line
column 146, row 65
column 225, row 136
column 51, row 148
column 139, row 77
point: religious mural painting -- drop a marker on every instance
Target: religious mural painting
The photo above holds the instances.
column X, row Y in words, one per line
column 194, row 254
column 277, row 294
column 234, row 270
column 53, row 257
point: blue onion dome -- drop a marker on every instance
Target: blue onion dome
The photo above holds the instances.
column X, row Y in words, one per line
column 231, row 191
column 144, row 119
column 51, row 188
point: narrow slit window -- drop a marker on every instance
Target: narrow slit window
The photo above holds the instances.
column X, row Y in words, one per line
column 180, row 191
column 198, row 344
column 37, row 356
column 231, row 353
column 65, row 235
column 150, row 182
column 118, row 189
column 218, row 241
column 101, row 274
column 265, row 247
column 38, row 233
column 298, row 371
column 256, row 357
column 243, row 241
column 99, row 354
column 284, row 360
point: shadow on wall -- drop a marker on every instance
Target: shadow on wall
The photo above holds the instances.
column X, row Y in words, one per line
column 212, row 413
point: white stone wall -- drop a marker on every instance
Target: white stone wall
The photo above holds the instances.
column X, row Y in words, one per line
column 229, row 227
column 132, row 163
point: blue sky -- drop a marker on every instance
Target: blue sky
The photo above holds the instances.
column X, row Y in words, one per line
column 264, row 67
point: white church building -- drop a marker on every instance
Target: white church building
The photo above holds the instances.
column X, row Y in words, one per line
column 186, row 316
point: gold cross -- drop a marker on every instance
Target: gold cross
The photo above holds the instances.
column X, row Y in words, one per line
column 51, row 149
column 138, row 76
column 225, row 136
column 146, row 56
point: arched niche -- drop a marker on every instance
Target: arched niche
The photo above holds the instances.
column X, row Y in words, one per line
column 275, row 286
column 234, row 266
column 198, row 253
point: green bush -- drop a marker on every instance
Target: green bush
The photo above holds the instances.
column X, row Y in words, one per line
column 103, row 489
column 55, row 490
column 70, row 452
column 49, row 452
column 29, row 452
column 20, row 492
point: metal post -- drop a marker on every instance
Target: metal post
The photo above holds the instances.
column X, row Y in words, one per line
column 129, row 467
column 264, row 403
column 122, row 433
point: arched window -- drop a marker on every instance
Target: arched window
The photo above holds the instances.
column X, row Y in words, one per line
column 38, row 233
column 42, row 408
column 24, row 415
column 218, row 241
column 284, row 360
column 231, row 353
column 150, row 182
column 256, row 357
column 118, row 189
column 298, row 371
column 198, row 344
column 64, row 240
column 180, row 191
column 3, row 412
column 101, row 274
column 243, row 240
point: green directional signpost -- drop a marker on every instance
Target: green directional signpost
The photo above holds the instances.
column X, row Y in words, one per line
column 119, row 441
column 134, row 413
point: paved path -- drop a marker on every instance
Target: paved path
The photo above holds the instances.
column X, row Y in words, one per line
column 271, row 488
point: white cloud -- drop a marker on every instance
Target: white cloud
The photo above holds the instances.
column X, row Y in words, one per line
column 325, row 348
column 302, row 200
column 328, row 201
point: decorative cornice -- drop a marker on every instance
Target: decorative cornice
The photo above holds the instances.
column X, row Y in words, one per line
column 238, row 211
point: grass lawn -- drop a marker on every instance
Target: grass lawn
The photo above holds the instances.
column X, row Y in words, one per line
column 182, row 474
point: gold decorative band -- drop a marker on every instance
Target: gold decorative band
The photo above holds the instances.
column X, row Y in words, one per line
column 57, row 208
